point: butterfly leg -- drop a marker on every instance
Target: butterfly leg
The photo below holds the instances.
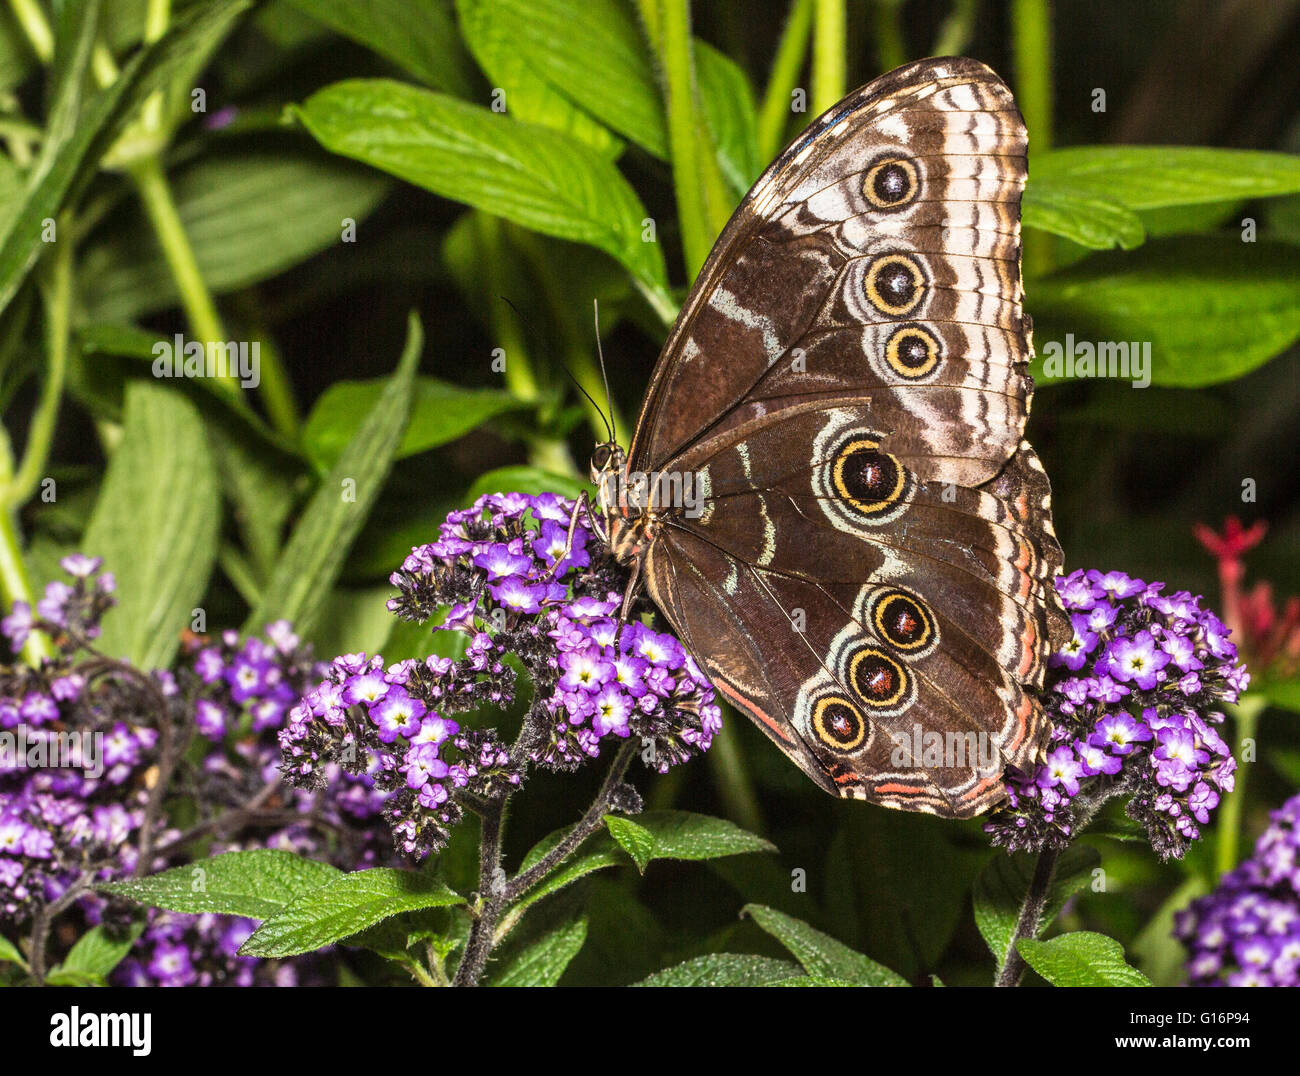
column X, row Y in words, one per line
column 629, row 595
column 581, row 505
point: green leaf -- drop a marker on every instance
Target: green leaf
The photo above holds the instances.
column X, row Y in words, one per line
column 310, row 563
column 1082, row 958
column 534, row 176
column 1001, row 888
column 419, row 36
column 155, row 524
column 637, row 842
column 492, row 35
column 343, row 907
column 440, row 412
column 594, row 854
column 1283, row 693
column 256, row 884
column 727, row 101
column 530, row 480
column 725, row 969
column 598, row 61
column 542, row 962
column 682, row 835
column 1150, row 177
column 9, row 953
column 820, row 954
column 1089, row 221
column 1188, row 297
column 85, row 134
column 248, row 217
column 96, row 953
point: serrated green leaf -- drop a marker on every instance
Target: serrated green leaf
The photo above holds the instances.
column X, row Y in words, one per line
column 97, row 952
column 1082, row 958
column 542, row 962
column 636, row 841
column 1001, row 887
column 155, row 524
column 1187, row 297
column 345, row 906
column 256, row 884
column 315, row 552
column 9, row 953
column 534, row 176
column 248, row 217
column 725, row 969
column 418, row 35
column 821, row 956
column 440, row 412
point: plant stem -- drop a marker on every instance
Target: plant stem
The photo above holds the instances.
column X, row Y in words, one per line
column 17, row 587
column 58, row 307
column 887, row 23
column 735, row 786
column 1246, row 715
column 698, row 218
column 830, row 36
column 1031, row 43
column 1031, row 914
column 774, row 112
column 956, row 30
column 491, row 897
column 36, row 28
column 200, row 310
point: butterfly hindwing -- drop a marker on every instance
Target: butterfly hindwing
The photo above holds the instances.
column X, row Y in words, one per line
column 869, row 561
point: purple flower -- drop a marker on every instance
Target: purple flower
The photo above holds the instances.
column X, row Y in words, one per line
column 1138, row 660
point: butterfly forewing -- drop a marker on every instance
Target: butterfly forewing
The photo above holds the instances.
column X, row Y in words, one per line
column 869, row 564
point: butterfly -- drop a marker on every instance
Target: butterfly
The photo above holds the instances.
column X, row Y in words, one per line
column 827, row 494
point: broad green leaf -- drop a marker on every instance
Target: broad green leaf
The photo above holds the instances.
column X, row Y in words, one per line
column 821, row 955
column 155, row 524
column 419, row 36
column 96, row 953
column 682, row 835
column 814, row 980
column 527, row 95
column 256, row 884
column 635, row 840
column 725, row 969
column 1082, row 958
column 1187, row 297
column 593, row 854
column 1001, row 888
column 1090, row 221
column 440, row 412
column 248, row 217
column 532, row 175
column 1149, row 177
column 355, row 620
column 1283, row 693
column 9, row 953
column 343, row 907
column 542, row 962
column 310, row 563
column 599, row 60
column 530, row 480
column 727, row 101
column 68, row 156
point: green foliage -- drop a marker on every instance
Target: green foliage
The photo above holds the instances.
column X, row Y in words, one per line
column 1082, row 958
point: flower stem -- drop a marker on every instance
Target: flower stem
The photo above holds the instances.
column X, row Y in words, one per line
column 774, row 112
column 1226, row 852
column 1031, row 42
column 830, row 34
column 491, row 897
column 1031, row 914
column 36, row 28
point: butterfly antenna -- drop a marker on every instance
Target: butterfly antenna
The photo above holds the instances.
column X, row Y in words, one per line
column 600, row 355
column 563, row 366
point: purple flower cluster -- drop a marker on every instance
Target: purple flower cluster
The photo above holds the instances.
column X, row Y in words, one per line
column 520, row 578
column 1134, row 698
column 1247, row 932
column 81, row 745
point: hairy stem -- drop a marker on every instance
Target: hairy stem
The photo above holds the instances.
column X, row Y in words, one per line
column 491, row 897
column 1031, row 914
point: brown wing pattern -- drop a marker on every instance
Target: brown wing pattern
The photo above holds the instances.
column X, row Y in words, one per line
column 872, row 565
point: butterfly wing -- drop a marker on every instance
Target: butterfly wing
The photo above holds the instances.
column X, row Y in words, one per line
column 846, row 383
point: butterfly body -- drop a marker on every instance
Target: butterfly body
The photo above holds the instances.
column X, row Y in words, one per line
column 828, row 494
